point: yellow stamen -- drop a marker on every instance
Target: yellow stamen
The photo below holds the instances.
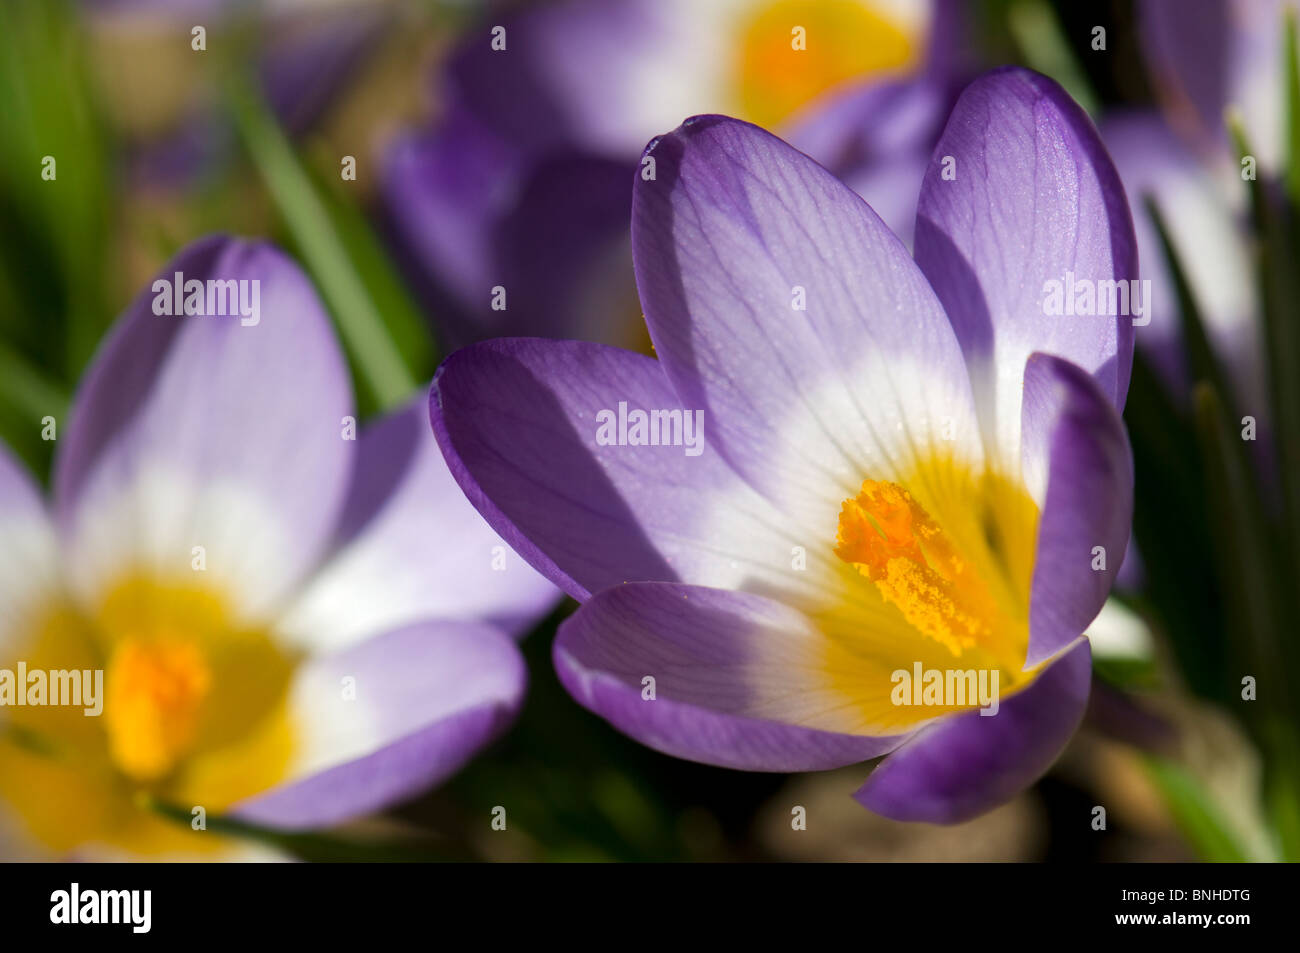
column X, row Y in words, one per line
column 890, row 538
column 195, row 711
column 154, row 693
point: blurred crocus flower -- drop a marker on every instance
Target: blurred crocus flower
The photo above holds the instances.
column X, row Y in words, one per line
column 646, row 63
column 905, row 464
column 1205, row 57
column 511, row 212
column 294, row 623
column 1208, row 55
column 1205, row 224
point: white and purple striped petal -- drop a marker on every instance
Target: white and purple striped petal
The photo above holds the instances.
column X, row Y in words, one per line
column 782, row 305
column 383, row 720
column 186, row 432
column 726, row 678
column 1020, row 193
column 1207, row 233
column 1208, row 55
column 967, row 764
column 518, row 422
column 411, row 548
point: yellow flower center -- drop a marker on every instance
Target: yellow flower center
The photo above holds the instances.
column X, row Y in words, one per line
column 895, row 543
column 792, row 51
column 194, row 714
column 933, row 568
column 151, row 713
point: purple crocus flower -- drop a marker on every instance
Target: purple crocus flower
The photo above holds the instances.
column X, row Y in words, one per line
column 919, row 469
column 1208, row 55
column 521, row 187
column 295, row 623
column 646, row 63
column 1207, row 229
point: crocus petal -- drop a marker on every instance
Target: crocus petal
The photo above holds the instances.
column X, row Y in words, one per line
column 733, row 684
column 891, row 187
column 1255, row 42
column 200, row 430
column 877, row 137
column 964, row 765
column 656, row 60
column 517, row 420
column 412, row 548
column 734, row 233
column 1079, row 465
column 1028, row 197
column 1207, row 55
column 444, row 192
column 537, row 94
column 567, row 267
column 1186, row 47
column 873, row 120
column 28, row 554
column 1208, row 238
column 477, row 220
column 427, row 697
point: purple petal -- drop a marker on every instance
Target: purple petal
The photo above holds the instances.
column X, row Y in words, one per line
column 1034, row 198
column 1208, row 55
column 476, row 216
column 1078, row 461
column 877, row 139
column 737, row 230
column 969, row 763
column 443, row 192
column 517, row 422
column 200, row 430
column 20, row 497
column 735, row 682
column 412, row 548
column 428, row 697
column 1208, row 237
column 1132, row 575
column 891, row 187
column 538, row 94
column 1186, row 46
column 873, row 120
column 567, row 267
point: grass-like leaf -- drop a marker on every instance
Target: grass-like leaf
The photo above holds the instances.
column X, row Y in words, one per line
column 383, row 372
column 55, row 187
column 1194, row 812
